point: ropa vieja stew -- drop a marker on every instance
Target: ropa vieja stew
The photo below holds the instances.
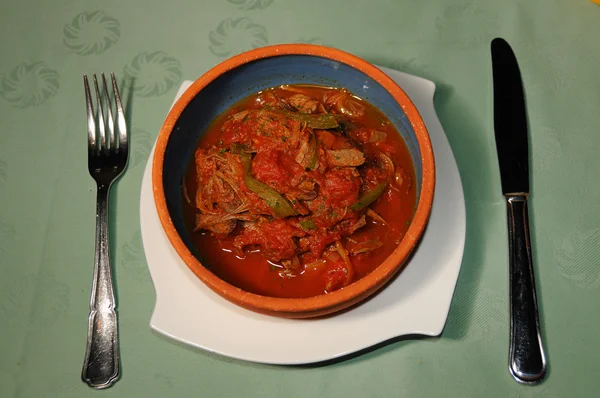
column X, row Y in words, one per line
column 298, row 191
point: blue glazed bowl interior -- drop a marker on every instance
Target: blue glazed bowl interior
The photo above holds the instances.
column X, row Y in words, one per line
column 254, row 76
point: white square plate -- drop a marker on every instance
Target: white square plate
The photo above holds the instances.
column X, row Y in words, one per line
column 415, row 302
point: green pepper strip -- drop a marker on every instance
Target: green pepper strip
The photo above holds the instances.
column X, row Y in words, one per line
column 323, row 121
column 308, row 225
column 369, row 197
column 280, row 206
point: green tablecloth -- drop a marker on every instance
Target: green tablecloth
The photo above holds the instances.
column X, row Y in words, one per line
column 47, row 198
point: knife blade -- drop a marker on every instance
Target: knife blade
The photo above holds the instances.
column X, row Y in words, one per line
column 510, row 120
column 527, row 360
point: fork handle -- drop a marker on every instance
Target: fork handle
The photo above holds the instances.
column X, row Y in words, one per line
column 101, row 364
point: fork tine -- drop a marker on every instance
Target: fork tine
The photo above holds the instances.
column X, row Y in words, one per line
column 123, row 143
column 92, row 145
column 100, row 115
column 109, row 118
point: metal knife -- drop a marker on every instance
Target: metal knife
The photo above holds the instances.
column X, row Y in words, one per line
column 527, row 361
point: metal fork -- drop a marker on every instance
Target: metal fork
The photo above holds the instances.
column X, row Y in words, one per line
column 107, row 159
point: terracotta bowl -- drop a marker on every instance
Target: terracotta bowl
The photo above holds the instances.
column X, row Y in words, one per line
column 262, row 68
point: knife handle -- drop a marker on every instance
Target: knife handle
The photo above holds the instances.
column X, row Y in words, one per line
column 527, row 361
